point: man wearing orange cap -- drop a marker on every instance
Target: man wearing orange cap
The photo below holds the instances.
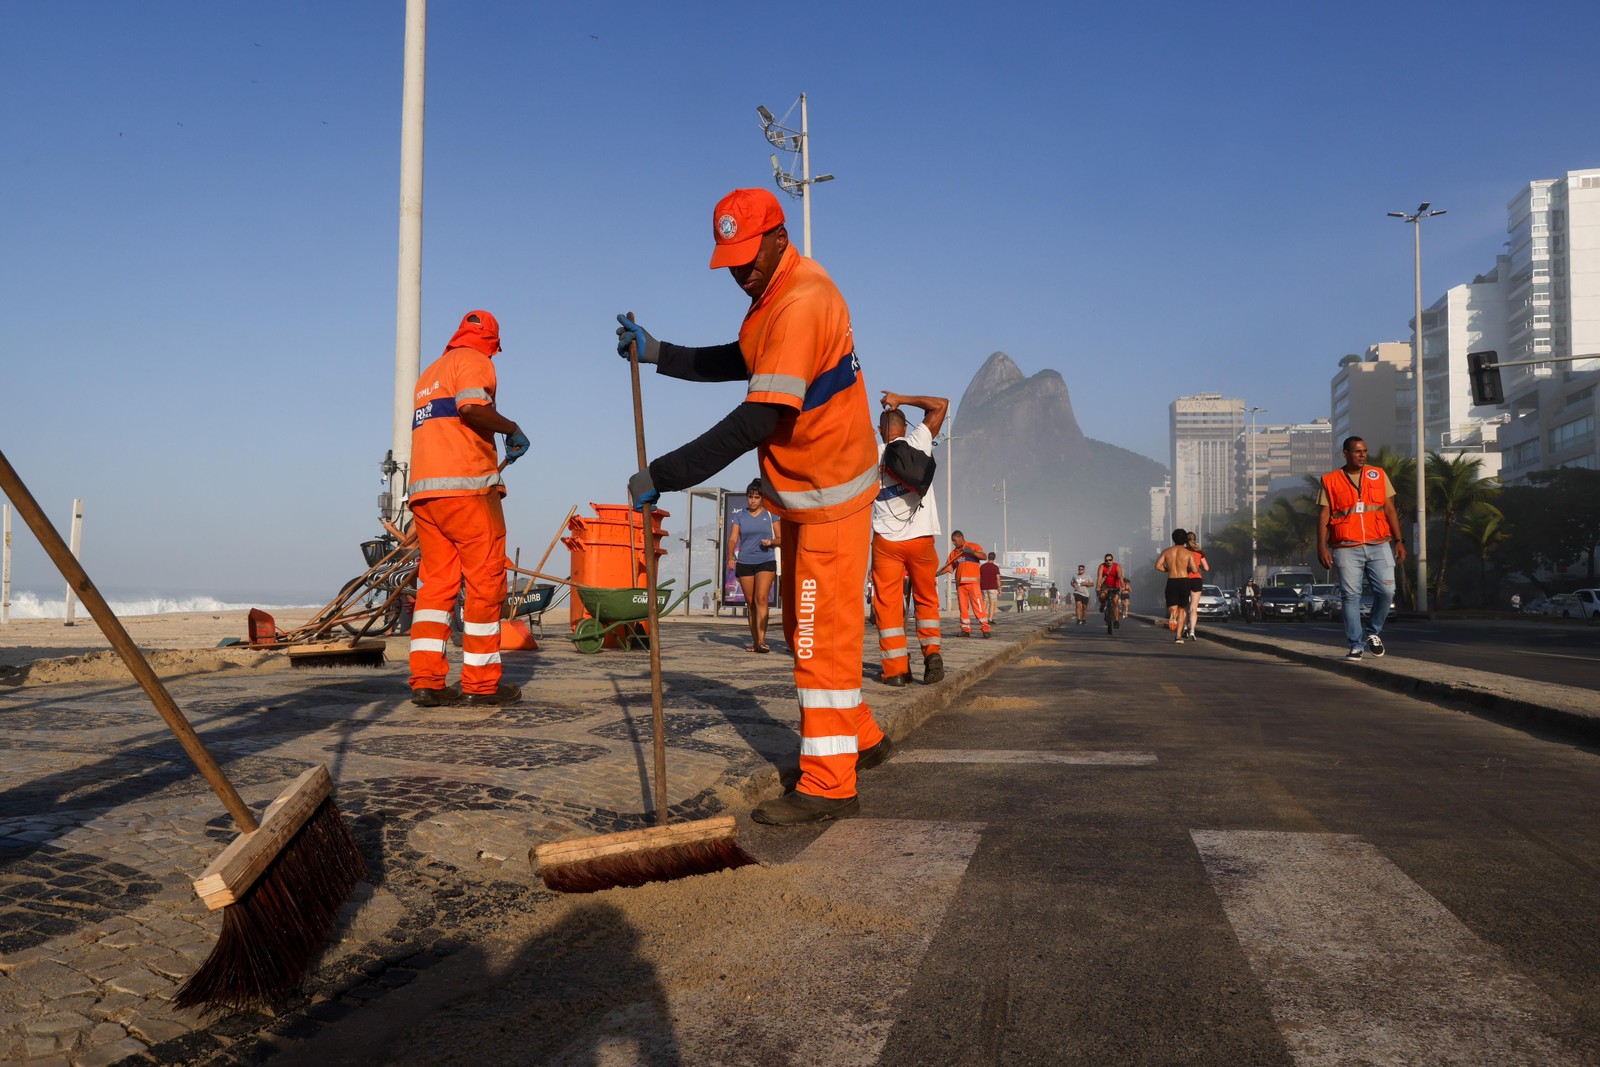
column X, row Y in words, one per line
column 455, row 492
column 806, row 413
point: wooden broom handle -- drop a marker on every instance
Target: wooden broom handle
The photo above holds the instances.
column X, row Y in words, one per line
column 111, row 626
column 658, row 718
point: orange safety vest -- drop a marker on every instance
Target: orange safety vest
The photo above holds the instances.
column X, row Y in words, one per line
column 821, row 463
column 1357, row 517
column 448, row 457
column 967, row 570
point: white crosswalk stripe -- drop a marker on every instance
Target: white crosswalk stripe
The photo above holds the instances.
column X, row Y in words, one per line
column 1361, row 965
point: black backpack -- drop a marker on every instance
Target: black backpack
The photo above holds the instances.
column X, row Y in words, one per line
column 909, row 467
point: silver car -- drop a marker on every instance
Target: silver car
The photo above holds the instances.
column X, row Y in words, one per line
column 1213, row 605
column 1324, row 600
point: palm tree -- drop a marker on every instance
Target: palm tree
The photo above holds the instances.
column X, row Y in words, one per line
column 1454, row 488
column 1484, row 528
column 1402, row 472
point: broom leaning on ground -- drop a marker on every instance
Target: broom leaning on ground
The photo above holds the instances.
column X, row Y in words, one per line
column 660, row 853
column 282, row 881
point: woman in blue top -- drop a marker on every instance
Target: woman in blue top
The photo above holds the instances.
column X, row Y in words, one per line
column 752, row 541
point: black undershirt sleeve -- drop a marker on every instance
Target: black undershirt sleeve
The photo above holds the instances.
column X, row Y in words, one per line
column 718, row 363
column 745, row 427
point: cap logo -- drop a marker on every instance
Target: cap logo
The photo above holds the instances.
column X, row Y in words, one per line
column 727, row 227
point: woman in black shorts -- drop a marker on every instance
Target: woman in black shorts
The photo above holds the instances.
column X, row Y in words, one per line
column 752, row 544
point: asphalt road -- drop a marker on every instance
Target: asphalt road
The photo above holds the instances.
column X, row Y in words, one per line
column 1566, row 653
column 1309, row 864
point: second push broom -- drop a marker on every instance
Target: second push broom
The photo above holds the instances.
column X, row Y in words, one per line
column 660, row 853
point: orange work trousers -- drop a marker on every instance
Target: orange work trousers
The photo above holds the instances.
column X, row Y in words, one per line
column 969, row 597
column 463, row 538
column 824, row 571
column 891, row 562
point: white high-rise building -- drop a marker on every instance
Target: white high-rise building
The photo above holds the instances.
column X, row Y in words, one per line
column 1553, row 302
column 1205, row 445
column 1372, row 398
column 1467, row 318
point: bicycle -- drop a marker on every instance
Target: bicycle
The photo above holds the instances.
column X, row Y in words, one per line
column 1108, row 608
column 376, row 591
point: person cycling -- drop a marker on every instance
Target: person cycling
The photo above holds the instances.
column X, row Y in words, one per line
column 1108, row 583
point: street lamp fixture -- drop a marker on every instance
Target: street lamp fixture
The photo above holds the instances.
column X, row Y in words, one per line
column 1414, row 219
column 798, row 142
column 1253, row 412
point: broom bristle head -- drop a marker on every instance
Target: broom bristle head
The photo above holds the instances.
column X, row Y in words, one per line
column 272, row 933
column 662, row 864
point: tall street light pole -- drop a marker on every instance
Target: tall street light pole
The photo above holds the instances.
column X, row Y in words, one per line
column 1252, row 412
column 799, row 142
column 1005, row 519
column 408, row 298
column 1415, row 219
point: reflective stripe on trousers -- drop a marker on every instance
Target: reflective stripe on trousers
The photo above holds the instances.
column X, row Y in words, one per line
column 824, row 570
column 463, row 539
column 891, row 562
column 970, row 599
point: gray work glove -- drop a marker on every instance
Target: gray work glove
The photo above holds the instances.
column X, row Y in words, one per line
column 632, row 332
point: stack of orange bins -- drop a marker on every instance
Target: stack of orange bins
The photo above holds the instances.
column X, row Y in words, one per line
column 608, row 552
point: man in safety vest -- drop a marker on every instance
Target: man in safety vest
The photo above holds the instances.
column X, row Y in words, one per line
column 455, row 492
column 1358, row 532
column 903, row 530
column 965, row 562
column 806, row 412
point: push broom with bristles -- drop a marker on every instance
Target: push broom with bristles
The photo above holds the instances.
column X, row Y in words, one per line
column 282, row 881
column 660, row 853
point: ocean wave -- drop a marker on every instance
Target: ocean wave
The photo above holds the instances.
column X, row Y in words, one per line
column 26, row 605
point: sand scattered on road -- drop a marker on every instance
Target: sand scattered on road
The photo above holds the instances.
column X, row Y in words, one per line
column 1038, row 661
column 987, row 703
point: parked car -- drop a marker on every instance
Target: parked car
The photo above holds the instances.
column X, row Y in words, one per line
column 1282, row 602
column 1232, row 598
column 1213, row 605
column 1563, row 606
column 1589, row 601
column 1324, row 599
column 1535, row 606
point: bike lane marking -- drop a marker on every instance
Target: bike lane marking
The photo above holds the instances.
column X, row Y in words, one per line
column 1361, row 965
column 979, row 755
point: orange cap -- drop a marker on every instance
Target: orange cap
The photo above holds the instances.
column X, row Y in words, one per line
column 738, row 222
column 479, row 330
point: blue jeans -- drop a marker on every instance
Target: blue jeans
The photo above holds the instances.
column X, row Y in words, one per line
column 1370, row 566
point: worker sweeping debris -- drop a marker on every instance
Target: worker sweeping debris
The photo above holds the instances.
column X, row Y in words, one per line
column 807, row 414
column 282, row 881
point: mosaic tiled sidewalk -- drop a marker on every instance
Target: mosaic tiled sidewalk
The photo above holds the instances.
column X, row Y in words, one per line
column 104, row 822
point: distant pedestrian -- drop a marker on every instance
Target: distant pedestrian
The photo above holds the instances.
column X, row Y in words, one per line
column 753, row 538
column 989, row 582
column 1054, row 596
column 1516, row 602
column 1020, row 592
column 1197, row 579
column 1082, row 585
column 1358, row 532
column 964, row 560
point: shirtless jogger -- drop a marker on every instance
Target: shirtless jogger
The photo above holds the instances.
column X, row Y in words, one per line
column 1175, row 563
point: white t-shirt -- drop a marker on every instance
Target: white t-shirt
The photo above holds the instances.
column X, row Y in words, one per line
column 892, row 517
column 1082, row 584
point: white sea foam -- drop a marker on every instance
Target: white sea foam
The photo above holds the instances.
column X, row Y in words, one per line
column 25, row 605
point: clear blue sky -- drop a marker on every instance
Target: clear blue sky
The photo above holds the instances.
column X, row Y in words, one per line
column 198, row 226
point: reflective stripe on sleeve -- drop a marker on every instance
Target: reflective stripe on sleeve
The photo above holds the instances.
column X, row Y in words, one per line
column 830, row 698
column 481, row 629
column 787, row 384
column 479, row 659
column 841, row 745
column 430, row 615
column 427, row 644
column 473, row 394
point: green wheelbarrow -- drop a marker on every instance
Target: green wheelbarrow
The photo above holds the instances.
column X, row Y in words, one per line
column 621, row 611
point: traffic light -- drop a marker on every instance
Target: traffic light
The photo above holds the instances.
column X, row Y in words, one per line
column 1483, row 372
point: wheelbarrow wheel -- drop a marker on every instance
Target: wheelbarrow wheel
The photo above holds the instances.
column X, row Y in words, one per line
column 589, row 637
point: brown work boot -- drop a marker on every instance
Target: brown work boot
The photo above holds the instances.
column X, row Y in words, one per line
column 447, row 697
column 933, row 669
column 797, row 808
column 897, row 680
column 869, row 758
column 505, row 694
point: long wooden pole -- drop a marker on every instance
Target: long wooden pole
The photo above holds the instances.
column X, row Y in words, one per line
column 111, row 626
column 658, row 718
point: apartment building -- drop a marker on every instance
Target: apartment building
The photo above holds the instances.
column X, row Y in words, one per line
column 1205, row 430
column 1373, row 398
